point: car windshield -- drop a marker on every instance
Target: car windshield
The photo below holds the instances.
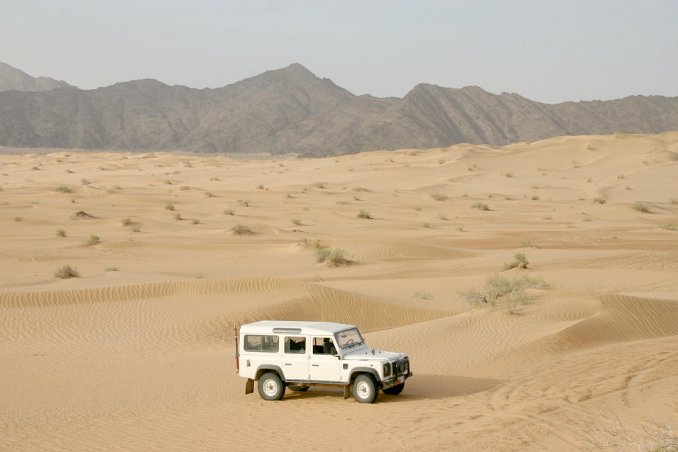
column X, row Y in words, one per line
column 349, row 338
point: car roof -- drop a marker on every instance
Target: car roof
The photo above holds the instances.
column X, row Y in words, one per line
column 293, row 327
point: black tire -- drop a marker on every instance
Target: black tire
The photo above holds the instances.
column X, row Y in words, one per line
column 395, row 390
column 364, row 389
column 296, row 388
column 271, row 386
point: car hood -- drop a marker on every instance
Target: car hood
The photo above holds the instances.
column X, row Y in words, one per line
column 365, row 353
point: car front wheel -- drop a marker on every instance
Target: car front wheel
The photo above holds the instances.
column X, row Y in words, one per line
column 271, row 387
column 364, row 389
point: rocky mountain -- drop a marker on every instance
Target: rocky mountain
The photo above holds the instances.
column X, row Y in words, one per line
column 13, row 79
column 292, row 110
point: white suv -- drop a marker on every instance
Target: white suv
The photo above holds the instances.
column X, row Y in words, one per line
column 298, row 355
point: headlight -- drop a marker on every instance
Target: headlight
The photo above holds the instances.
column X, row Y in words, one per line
column 387, row 369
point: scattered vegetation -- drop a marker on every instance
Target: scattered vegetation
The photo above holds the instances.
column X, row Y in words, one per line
column 519, row 261
column 499, row 290
column 66, row 272
column 209, row 195
column 364, row 214
column 244, row 202
column 85, row 182
column 480, row 206
column 60, row 233
column 93, row 240
column 297, row 222
column 112, row 269
column 178, row 217
column 127, row 222
column 439, row 196
column 63, row 189
column 169, row 206
column 528, row 244
column 195, row 221
column 229, row 212
column 599, row 200
column 240, row 229
column 670, row 227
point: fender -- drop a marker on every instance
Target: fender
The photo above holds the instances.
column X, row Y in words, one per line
column 369, row 370
column 264, row 367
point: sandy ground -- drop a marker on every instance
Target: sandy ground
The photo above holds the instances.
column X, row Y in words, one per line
column 137, row 353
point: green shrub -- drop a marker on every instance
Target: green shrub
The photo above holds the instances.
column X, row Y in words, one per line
column 480, row 206
column 93, row 240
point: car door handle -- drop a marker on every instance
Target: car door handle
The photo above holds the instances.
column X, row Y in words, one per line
column 315, row 365
column 288, row 364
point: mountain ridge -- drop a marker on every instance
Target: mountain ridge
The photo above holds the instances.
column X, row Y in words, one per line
column 290, row 110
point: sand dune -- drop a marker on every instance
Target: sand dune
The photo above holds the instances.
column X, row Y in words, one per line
column 137, row 353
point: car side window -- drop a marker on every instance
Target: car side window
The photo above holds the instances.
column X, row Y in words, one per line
column 295, row 344
column 323, row 346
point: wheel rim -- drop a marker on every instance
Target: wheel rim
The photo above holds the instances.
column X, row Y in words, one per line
column 364, row 391
column 270, row 387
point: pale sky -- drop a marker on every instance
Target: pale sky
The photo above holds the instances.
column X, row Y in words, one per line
column 545, row 50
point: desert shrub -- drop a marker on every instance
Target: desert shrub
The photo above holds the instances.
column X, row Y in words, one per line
column 480, row 206
column 63, row 189
column 178, row 217
column 18, row 219
column 670, row 227
column 209, row 194
column 60, row 233
column 244, row 202
column 599, row 200
column 93, row 240
column 528, row 244
column 439, row 197
column 195, row 221
column 83, row 214
column 499, row 290
column 240, row 229
column 127, row 222
column 66, row 272
column 85, row 181
column 169, row 206
column 296, row 222
column 364, row 214
column 320, row 185
column 641, row 207
column 334, row 257
column 112, row 269
column 229, row 212
column 427, row 225
column 519, row 261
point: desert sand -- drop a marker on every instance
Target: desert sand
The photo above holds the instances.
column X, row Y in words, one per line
column 137, row 353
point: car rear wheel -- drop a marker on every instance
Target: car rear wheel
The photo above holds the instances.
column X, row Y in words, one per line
column 271, row 387
column 364, row 389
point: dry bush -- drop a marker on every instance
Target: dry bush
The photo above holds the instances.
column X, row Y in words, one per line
column 364, row 214
column 499, row 290
column 599, row 200
column 333, row 257
column 63, row 189
column 519, row 261
column 439, row 196
column 66, row 272
column 60, row 233
column 229, row 212
column 480, row 206
column 169, row 206
column 93, row 240
column 641, row 207
column 240, row 229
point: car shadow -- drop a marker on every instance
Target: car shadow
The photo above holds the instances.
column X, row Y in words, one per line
column 418, row 387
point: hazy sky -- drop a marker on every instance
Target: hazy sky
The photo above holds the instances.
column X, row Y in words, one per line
column 546, row 50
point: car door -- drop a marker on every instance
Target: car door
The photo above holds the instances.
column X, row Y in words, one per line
column 325, row 362
column 296, row 358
